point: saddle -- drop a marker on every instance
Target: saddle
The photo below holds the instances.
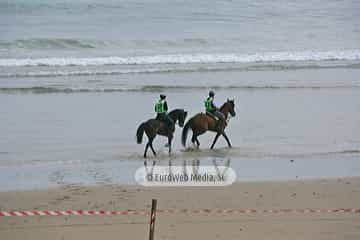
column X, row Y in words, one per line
column 212, row 116
column 165, row 125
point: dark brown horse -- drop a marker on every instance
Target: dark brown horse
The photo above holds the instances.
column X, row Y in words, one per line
column 202, row 122
column 152, row 127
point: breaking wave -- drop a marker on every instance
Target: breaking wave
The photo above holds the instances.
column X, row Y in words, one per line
column 188, row 59
column 172, row 69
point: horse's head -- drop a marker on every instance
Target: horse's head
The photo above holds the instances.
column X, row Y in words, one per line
column 232, row 107
column 228, row 107
column 178, row 115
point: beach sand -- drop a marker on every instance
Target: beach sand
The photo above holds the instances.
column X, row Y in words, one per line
column 301, row 194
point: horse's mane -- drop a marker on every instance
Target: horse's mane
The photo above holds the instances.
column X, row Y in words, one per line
column 177, row 110
column 224, row 104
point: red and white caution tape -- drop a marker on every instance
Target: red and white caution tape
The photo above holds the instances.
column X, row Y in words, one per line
column 175, row 211
column 254, row 211
column 70, row 213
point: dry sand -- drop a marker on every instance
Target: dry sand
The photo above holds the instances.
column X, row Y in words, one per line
column 327, row 193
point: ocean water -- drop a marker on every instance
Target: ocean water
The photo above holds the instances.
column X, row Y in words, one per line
column 78, row 77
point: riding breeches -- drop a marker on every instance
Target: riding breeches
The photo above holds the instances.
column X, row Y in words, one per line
column 219, row 115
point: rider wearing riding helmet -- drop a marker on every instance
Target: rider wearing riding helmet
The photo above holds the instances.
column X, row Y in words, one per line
column 161, row 109
column 211, row 108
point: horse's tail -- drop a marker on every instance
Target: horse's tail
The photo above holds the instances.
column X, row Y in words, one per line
column 140, row 132
column 185, row 132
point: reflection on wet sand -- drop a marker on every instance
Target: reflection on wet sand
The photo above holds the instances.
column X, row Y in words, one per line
column 186, row 173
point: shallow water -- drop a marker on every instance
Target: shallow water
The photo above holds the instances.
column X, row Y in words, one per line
column 89, row 137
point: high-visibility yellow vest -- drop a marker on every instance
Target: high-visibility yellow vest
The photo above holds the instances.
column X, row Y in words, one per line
column 160, row 106
column 208, row 104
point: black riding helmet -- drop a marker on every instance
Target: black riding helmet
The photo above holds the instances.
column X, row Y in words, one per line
column 162, row 96
column 211, row 93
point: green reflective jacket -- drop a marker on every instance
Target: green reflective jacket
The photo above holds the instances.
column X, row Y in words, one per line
column 209, row 104
column 160, row 106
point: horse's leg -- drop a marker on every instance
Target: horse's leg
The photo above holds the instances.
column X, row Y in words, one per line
column 146, row 148
column 151, row 146
column 215, row 139
column 197, row 142
column 170, row 137
column 227, row 139
column 193, row 140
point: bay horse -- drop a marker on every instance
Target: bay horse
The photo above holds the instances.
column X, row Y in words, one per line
column 202, row 122
column 152, row 127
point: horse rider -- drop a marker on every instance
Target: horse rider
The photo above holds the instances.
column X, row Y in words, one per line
column 212, row 110
column 161, row 109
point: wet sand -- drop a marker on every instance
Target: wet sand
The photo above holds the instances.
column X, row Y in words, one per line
column 317, row 194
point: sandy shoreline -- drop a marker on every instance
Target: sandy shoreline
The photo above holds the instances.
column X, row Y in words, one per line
column 316, row 194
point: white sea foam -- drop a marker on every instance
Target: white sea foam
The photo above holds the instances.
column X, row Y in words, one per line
column 187, row 59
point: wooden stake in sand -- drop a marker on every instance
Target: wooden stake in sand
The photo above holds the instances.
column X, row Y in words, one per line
column 152, row 219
